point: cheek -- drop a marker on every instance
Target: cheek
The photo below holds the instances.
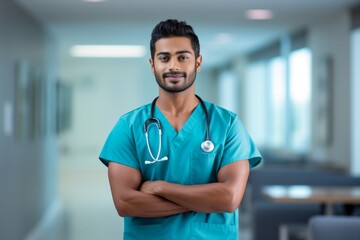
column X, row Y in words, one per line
column 159, row 68
column 157, row 71
column 192, row 68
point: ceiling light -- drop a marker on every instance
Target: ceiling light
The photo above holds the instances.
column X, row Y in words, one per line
column 108, row 51
column 259, row 14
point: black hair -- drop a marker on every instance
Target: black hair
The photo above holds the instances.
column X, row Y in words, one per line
column 174, row 28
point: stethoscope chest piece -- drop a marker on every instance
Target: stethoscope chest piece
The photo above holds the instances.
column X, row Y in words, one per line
column 207, row 146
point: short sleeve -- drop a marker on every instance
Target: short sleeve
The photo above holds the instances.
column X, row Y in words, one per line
column 239, row 145
column 119, row 147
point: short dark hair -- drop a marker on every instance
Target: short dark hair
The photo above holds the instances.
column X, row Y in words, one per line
column 174, row 28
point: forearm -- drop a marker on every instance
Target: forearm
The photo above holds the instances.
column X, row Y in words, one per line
column 129, row 201
column 212, row 197
column 222, row 196
column 138, row 204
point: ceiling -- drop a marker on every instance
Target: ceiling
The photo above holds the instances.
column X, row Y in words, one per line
column 131, row 22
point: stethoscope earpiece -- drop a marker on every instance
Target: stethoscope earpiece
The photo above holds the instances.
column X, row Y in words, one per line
column 206, row 146
column 156, row 160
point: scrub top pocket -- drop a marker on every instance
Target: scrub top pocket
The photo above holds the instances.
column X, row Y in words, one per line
column 149, row 232
column 203, row 168
column 208, row 231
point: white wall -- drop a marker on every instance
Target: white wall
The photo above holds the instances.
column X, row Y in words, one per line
column 331, row 37
column 28, row 166
column 103, row 89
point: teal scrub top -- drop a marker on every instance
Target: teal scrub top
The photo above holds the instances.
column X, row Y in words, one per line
column 187, row 164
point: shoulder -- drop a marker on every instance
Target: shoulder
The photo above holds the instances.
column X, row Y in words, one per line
column 216, row 111
column 135, row 115
column 134, row 118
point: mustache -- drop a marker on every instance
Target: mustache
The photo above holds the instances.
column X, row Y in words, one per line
column 172, row 74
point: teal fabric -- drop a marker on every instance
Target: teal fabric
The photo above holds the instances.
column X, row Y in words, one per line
column 187, row 164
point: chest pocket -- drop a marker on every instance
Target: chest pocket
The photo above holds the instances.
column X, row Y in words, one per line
column 203, row 168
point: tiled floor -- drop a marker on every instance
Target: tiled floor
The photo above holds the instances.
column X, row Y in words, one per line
column 86, row 198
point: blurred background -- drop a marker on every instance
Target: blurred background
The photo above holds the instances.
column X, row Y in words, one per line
column 289, row 69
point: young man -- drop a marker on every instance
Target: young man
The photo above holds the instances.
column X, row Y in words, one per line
column 178, row 167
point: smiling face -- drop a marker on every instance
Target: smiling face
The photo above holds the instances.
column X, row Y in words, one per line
column 174, row 64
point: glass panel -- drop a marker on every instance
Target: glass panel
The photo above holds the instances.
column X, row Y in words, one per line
column 278, row 109
column 299, row 116
column 355, row 100
column 228, row 91
column 255, row 109
column 277, row 106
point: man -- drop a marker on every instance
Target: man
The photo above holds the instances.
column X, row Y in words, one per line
column 166, row 181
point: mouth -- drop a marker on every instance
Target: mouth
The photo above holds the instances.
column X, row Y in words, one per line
column 174, row 76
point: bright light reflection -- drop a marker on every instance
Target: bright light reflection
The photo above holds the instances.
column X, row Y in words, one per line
column 300, row 75
column 278, row 97
column 277, row 191
column 299, row 191
column 278, row 81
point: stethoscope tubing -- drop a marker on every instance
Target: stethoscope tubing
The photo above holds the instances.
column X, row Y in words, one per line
column 152, row 118
column 206, row 146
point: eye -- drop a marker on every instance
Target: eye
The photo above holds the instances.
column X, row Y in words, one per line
column 164, row 58
column 183, row 58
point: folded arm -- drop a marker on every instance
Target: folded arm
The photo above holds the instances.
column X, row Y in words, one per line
column 125, row 183
column 223, row 196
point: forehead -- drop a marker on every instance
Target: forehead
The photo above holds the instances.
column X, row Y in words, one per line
column 173, row 44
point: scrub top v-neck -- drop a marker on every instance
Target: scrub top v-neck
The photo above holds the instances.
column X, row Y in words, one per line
column 187, row 164
column 178, row 138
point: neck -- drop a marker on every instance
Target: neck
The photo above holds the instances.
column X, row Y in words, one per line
column 177, row 103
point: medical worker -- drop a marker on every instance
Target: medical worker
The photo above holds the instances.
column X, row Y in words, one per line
column 178, row 166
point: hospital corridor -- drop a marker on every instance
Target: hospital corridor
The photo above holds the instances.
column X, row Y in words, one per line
column 286, row 74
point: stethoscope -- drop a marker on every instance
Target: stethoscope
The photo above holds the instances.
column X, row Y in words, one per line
column 206, row 146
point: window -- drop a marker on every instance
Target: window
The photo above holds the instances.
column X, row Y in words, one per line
column 300, row 99
column 355, row 99
column 227, row 90
column 278, row 98
column 277, row 106
column 255, row 109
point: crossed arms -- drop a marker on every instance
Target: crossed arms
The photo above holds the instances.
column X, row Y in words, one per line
column 159, row 198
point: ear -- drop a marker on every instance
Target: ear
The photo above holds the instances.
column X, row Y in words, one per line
column 198, row 63
column 151, row 61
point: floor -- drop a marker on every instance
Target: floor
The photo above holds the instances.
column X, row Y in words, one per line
column 86, row 199
column 88, row 209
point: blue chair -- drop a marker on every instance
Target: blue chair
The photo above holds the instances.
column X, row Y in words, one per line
column 334, row 228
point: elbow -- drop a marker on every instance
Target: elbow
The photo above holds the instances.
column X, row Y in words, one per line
column 122, row 213
column 232, row 202
column 122, row 209
column 231, row 206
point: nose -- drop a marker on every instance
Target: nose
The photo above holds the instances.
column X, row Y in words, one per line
column 174, row 65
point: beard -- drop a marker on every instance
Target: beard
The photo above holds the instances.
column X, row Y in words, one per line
column 179, row 86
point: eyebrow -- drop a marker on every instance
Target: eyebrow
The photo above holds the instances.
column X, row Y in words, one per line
column 177, row 53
